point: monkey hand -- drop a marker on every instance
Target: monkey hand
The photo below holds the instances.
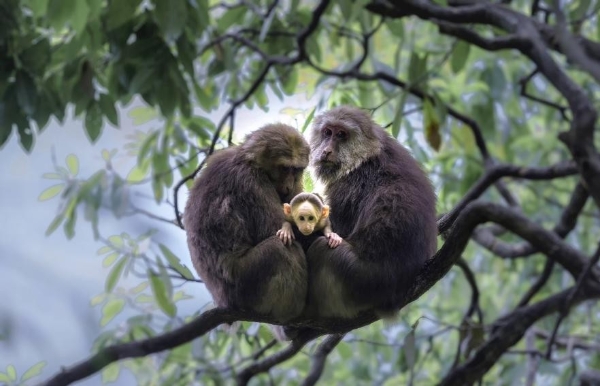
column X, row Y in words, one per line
column 286, row 233
column 334, row 240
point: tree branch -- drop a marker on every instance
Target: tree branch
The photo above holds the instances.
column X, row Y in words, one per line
column 319, row 358
column 510, row 329
column 496, row 172
column 198, row 327
column 273, row 360
column 564, row 311
column 486, row 238
column 458, row 236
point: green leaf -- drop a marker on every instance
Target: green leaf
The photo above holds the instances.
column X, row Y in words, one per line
column 313, row 49
column 159, row 289
column 5, row 129
column 116, row 241
column 344, row 350
column 93, row 122
column 79, row 16
column 175, row 262
column 51, row 192
column 137, row 174
column 54, row 224
column 141, row 115
column 581, row 10
column 97, row 299
column 139, row 288
column 167, row 97
column 115, row 274
column 38, row 7
column 111, row 309
column 111, row 373
column 143, row 298
column 69, row 226
column 120, row 12
column 230, row 17
column 110, row 259
column 12, row 372
column 417, row 68
column 4, row 378
column 36, row 57
column 290, row 81
column 108, row 109
column 103, row 250
column 460, row 54
column 59, row 12
column 431, row 124
column 200, row 126
column 171, row 16
column 396, row 27
column 73, row 164
column 33, row 371
column 308, row 120
column 25, row 135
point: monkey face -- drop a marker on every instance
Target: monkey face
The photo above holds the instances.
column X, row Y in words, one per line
column 281, row 152
column 287, row 179
column 342, row 139
column 306, row 218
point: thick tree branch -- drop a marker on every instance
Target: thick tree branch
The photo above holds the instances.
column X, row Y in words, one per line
column 496, row 172
column 486, row 237
column 510, row 329
column 200, row 326
column 320, row 357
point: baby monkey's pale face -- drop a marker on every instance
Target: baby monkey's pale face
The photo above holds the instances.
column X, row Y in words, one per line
column 306, row 217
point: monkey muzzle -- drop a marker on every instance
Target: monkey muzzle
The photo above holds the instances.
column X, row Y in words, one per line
column 306, row 230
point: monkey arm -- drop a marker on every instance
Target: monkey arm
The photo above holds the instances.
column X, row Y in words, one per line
column 334, row 239
column 286, row 234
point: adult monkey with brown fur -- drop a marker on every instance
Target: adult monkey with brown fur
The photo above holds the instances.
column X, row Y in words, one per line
column 232, row 215
column 382, row 205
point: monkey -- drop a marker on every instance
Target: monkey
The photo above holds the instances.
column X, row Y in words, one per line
column 382, row 205
column 231, row 217
column 310, row 215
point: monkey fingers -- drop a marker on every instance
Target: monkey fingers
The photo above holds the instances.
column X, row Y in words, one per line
column 334, row 240
column 285, row 236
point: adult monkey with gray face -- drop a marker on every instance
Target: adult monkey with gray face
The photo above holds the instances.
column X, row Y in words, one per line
column 382, row 205
column 232, row 216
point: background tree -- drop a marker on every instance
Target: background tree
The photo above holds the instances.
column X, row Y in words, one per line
column 497, row 100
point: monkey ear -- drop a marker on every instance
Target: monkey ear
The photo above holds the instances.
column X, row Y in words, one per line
column 287, row 209
column 325, row 212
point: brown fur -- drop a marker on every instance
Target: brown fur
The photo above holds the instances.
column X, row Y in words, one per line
column 232, row 214
column 382, row 204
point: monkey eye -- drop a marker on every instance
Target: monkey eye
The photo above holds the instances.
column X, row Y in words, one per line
column 311, row 218
column 341, row 134
column 327, row 132
column 301, row 218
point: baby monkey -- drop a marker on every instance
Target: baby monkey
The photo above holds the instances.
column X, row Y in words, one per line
column 310, row 214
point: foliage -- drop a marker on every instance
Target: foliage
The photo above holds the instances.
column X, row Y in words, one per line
column 460, row 105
